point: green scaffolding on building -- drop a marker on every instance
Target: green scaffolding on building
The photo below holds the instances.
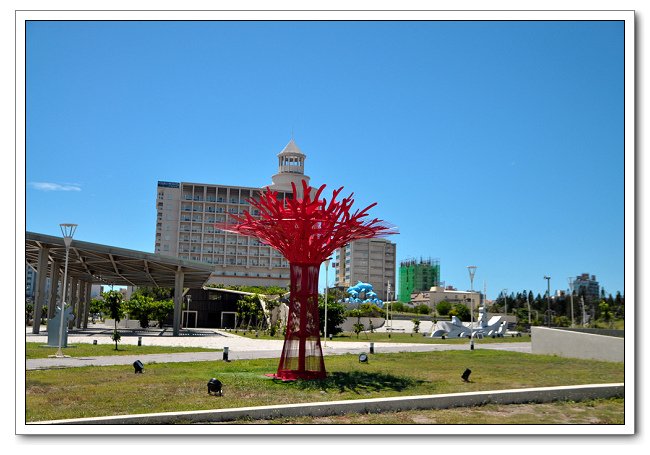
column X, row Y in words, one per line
column 417, row 276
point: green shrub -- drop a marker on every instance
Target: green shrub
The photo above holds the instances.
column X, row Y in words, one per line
column 422, row 309
column 443, row 308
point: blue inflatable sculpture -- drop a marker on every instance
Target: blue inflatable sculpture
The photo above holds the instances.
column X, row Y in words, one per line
column 363, row 293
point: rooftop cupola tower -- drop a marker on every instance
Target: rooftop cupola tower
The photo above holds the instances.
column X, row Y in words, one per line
column 291, row 168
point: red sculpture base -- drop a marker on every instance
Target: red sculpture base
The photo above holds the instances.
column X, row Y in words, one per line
column 302, row 354
column 288, row 376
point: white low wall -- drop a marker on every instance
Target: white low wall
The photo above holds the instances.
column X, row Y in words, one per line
column 124, row 324
column 566, row 343
column 348, row 324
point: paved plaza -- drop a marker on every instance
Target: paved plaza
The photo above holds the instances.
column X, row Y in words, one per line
column 239, row 347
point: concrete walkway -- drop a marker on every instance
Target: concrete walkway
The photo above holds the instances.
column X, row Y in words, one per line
column 239, row 347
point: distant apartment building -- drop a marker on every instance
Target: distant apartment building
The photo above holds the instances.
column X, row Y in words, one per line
column 417, row 276
column 587, row 285
column 370, row 261
column 186, row 214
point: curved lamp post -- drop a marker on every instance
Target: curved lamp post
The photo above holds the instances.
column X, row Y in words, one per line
column 68, row 230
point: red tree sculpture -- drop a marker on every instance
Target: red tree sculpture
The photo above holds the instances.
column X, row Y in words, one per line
column 306, row 231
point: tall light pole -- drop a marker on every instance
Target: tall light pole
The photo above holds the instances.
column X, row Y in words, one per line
column 505, row 301
column 548, row 297
column 571, row 290
column 528, row 303
column 472, row 270
column 388, row 308
column 67, row 229
column 189, row 299
column 327, row 266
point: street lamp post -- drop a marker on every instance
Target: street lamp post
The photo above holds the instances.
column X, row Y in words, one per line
column 528, row 303
column 571, row 290
column 505, row 302
column 67, row 229
column 189, row 299
column 388, row 309
column 327, row 265
column 472, row 270
column 548, row 297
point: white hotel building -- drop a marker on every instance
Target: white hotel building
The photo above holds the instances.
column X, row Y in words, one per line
column 187, row 212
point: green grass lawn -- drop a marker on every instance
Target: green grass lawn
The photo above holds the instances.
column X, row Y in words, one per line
column 397, row 337
column 167, row 387
column 39, row 351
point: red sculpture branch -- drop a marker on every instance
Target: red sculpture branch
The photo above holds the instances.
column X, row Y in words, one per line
column 305, row 230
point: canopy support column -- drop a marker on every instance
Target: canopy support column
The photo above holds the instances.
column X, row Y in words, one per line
column 87, row 292
column 178, row 300
column 39, row 298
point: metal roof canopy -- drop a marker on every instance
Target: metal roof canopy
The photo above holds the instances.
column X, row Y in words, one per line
column 111, row 265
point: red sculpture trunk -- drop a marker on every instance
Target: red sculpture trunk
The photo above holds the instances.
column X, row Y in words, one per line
column 302, row 354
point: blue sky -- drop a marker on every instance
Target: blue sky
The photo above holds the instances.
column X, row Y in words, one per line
column 495, row 144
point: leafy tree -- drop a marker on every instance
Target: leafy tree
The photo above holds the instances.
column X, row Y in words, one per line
column 97, row 306
column 155, row 293
column 29, row 311
column 335, row 316
column 619, row 305
column 113, row 301
column 422, row 309
column 250, row 310
column 461, row 311
column 443, row 308
column 606, row 315
column 140, row 307
column 358, row 328
column 522, row 314
column 160, row 311
column 398, row 307
column 371, row 310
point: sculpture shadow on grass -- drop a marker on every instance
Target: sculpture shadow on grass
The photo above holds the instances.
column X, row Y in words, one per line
column 358, row 382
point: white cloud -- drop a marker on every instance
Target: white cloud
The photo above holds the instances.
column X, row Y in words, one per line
column 47, row 186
